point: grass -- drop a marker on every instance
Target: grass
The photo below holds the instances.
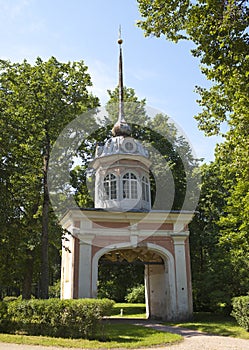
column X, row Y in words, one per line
column 204, row 322
column 117, row 335
column 129, row 310
column 215, row 324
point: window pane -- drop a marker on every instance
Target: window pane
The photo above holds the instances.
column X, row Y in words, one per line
column 113, row 189
column 110, row 187
column 133, row 189
column 126, row 189
column 145, row 189
column 106, row 190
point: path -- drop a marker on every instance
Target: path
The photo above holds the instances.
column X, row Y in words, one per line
column 193, row 340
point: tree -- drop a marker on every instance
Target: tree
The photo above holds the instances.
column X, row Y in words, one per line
column 219, row 30
column 211, row 287
column 36, row 102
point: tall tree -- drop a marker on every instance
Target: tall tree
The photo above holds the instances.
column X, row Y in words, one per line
column 36, row 102
column 219, row 30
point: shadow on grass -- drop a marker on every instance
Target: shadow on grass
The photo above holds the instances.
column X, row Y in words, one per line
column 215, row 324
column 126, row 333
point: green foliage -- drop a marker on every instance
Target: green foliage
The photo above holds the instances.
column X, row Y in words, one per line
column 210, row 264
column 219, row 31
column 241, row 311
column 55, row 290
column 115, row 279
column 54, row 317
column 213, row 255
column 36, row 102
column 136, row 294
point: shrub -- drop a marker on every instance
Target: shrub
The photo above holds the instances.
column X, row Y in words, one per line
column 4, row 319
column 55, row 290
column 241, row 311
column 77, row 318
column 136, row 294
column 7, row 299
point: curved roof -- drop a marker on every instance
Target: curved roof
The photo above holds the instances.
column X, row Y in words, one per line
column 123, row 146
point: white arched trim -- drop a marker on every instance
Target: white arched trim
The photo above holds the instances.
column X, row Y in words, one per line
column 164, row 253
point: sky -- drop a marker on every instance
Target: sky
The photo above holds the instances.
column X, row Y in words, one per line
column 163, row 73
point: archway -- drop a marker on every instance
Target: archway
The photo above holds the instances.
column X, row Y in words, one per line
column 158, row 275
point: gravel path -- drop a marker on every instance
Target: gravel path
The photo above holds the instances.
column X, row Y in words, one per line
column 193, row 340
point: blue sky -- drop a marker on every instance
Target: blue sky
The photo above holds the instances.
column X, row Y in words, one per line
column 162, row 72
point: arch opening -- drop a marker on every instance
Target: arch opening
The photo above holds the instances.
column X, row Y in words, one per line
column 128, row 267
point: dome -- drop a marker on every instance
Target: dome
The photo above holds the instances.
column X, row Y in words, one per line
column 123, row 146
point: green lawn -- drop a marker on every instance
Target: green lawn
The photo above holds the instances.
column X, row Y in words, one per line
column 117, row 336
column 216, row 324
column 129, row 310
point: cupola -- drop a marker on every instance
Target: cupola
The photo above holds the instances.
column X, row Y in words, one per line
column 122, row 165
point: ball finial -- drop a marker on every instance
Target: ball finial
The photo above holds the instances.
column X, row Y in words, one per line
column 120, row 41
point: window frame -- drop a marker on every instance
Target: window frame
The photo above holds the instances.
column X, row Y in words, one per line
column 145, row 189
column 130, row 189
column 110, row 187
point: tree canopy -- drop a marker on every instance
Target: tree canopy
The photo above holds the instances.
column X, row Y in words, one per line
column 219, row 31
column 36, row 102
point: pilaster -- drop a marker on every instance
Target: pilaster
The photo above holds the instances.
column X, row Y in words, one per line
column 85, row 266
column 181, row 275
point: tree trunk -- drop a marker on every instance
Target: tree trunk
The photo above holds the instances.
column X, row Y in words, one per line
column 45, row 221
column 28, row 275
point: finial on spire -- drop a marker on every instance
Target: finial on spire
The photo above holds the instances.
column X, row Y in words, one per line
column 121, row 128
column 120, row 41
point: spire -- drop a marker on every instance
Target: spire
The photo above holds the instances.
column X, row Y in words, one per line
column 121, row 128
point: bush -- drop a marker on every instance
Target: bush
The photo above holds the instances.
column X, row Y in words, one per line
column 77, row 318
column 4, row 319
column 7, row 299
column 55, row 290
column 241, row 311
column 136, row 294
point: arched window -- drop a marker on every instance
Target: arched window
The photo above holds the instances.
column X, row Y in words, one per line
column 130, row 190
column 145, row 189
column 110, row 187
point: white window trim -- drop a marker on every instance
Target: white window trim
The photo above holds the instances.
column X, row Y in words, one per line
column 108, row 190
column 133, row 192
